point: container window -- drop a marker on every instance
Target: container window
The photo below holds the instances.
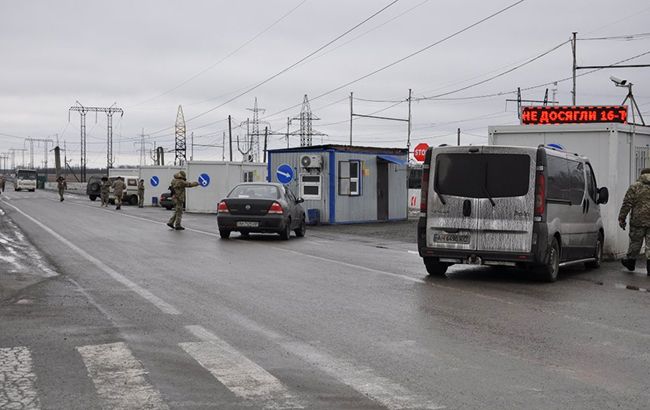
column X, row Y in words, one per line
column 482, row 175
column 350, row 178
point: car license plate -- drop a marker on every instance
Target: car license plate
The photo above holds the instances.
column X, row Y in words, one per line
column 451, row 238
column 247, row 224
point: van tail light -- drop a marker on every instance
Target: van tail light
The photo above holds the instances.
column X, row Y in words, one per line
column 222, row 208
column 275, row 208
column 540, row 194
column 424, row 186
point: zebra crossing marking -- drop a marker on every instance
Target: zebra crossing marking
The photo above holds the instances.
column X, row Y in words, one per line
column 239, row 374
column 119, row 377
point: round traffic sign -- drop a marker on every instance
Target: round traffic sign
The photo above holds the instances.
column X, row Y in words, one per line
column 284, row 173
column 420, row 151
column 154, row 180
column 204, row 180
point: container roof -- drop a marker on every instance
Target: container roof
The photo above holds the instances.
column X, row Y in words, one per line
column 345, row 148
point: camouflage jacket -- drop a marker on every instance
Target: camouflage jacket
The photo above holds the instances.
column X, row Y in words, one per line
column 118, row 187
column 178, row 185
column 61, row 183
column 637, row 200
column 140, row 188
column 106, row 187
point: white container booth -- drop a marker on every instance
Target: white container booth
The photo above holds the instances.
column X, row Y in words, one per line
column 156, row 181
column 216, row 179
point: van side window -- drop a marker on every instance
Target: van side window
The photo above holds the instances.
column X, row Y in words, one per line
column 559, row 182
column 592, row 190
column 577, row 170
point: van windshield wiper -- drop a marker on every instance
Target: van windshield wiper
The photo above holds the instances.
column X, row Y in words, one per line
column 487, row 192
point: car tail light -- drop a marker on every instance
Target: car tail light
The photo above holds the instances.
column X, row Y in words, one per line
column 275, row 208
column 222, row 208
column 424, row 186
column 540, row 194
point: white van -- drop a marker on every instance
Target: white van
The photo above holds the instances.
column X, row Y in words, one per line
column 130, row 194
column 25, row 180
column 512, row 206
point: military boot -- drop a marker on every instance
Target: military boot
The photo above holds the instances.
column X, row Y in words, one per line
column 647, row 267
column 629, row 263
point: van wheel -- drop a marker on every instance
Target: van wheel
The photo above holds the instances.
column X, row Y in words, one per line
column 598, row 254
column 549, row 271
column 435, row 268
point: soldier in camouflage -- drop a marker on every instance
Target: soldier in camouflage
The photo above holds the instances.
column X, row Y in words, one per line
column 637, row 200
column 178, row 185
column 141, row 193
column 61, row 185
column 118, row 190
column 106, row 189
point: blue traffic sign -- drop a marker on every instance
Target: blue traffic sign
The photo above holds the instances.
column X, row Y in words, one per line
column 154, row 181
column 284, row 173
column 204, row 180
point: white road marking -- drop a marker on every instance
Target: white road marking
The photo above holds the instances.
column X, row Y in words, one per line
column 414, row 252
column 358, row 377
column 17, row 380
column 119, row 377
column 238, row 373
column 159, row 303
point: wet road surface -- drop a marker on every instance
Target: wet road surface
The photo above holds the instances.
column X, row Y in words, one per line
column 132, row 314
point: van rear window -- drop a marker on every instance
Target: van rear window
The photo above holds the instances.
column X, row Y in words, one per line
column 482, row 175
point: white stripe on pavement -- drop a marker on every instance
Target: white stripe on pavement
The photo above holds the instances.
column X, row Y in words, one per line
column 159, row 303
column 238, row 373
column 360, row 378
column 17, row 379
column 119, row 377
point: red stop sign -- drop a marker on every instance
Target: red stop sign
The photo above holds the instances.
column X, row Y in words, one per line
column 420, row 150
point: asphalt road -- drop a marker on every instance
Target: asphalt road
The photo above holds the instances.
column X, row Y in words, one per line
column 119, row 311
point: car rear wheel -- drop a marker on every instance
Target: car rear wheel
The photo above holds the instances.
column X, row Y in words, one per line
column 550, row 270
column 286, row 232
column 598, row 254
column 224, row 233
column 93, row 197
column 300, row 231
column 435, row 268
column 133, row 200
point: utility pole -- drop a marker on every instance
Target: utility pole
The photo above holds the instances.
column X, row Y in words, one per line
column 230, row 135
column 192, row 146
column 266, row 137
column 575, row 66
column 408, row 136
column 288, row 126
column 223, row 146
column 109, row 133
column 351, row 115
column 458, row 142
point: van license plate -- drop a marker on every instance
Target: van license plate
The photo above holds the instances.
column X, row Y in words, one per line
column 451, row 238
column 247, row 224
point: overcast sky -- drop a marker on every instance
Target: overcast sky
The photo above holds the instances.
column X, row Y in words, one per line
column 141, row 54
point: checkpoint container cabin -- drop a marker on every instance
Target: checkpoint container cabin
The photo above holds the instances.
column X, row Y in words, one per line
column 157, row 179
column 216, row 179
column 617, row 151
column 344, row 184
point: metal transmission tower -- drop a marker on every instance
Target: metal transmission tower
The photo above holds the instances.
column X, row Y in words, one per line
column 253, row 132
column 13, row 157
column 181, row 140
column 306, row 118
column 31, row 150
column 109, row 132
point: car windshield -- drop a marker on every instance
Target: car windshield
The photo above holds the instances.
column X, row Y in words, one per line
column 26, row 174
column 255, row 192
column 482, row 175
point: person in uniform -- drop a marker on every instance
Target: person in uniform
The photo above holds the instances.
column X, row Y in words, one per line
column 2, row 183
column 637, row 201
column 178, row 185
column 105, row 191
column 118, row 190
column 141, row 193
column 61, row 184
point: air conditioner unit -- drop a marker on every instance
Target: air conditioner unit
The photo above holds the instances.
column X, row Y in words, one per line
column 311, row 161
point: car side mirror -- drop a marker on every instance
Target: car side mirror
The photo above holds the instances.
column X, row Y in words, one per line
column 603, row 195
column 300, row 200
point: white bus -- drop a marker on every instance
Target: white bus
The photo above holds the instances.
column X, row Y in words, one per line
column 25, row 179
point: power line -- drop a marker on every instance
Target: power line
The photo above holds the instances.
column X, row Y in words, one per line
column 289, row 67
column 408, row 56
column 628, row 37
column 501, row 74
column 210, row 67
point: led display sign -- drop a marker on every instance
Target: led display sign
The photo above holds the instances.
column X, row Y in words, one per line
column 573, row 114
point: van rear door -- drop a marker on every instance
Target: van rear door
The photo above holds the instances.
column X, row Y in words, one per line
column 506, row 208
column 452, row 206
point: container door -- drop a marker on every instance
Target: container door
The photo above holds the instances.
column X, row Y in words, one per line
column 506, row 208
column 382, row 190
column 452, row 212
